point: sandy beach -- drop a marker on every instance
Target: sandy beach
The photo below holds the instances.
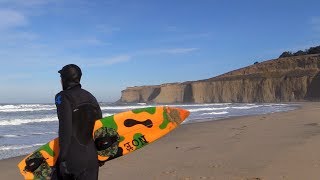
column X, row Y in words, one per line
column 274, row 146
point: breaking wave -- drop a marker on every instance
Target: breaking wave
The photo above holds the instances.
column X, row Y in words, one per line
column 15, row 147
column 26, row 107
column 15, row 122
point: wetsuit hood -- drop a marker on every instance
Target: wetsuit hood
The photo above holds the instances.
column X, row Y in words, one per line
column 70, row 76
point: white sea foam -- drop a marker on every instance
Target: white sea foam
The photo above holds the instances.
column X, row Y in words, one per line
column 44, row 133
column 15, row 122
column 215, row 113
column 26, row 107
column 246, row 107
column 200, row 105
column 106, row 114
column 11, row 135
column 15, row 147
column 25, row 135
column 207, row 109
column 142, row 103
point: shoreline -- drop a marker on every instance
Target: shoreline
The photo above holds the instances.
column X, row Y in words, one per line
column 299, row 106
column 266, row 146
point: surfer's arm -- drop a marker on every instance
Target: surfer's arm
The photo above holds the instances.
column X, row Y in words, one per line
column 99, row 108
column 100, row 112
column 64, row 111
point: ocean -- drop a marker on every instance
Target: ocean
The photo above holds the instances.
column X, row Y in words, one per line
column 25, row 127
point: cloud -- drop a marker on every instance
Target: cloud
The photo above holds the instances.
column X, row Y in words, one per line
column 19, row 44
column 17, row 38
column 11, row 19
column 110, row 61
column 180, row 50
column 85, row 41
column 160, row 51
column 18, row 76
column 25, row 3
column 186, row 37
column 117, row 59
column 122, row 58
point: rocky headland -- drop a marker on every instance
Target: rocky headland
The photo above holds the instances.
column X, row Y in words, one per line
column 295, row 78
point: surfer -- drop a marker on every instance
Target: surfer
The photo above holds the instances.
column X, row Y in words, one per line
column 77, row 110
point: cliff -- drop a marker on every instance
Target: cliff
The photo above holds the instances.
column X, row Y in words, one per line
column 280, row 80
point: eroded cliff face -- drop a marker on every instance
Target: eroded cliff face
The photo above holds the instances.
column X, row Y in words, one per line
column 165, row 93
column 279, row 80
column 140, row 94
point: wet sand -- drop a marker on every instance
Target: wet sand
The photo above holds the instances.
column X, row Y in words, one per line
column 274, row 146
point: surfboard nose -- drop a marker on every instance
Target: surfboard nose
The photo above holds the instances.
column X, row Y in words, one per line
column 183, row 114
column 176, row 115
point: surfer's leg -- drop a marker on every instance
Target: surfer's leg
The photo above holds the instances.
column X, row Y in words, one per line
column 89, row 174
column 63, row 177
column 67, row 177
column 55, row 175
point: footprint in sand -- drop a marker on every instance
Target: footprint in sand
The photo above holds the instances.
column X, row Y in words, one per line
column 186, row 178
column 192, row 148
column 237, row 131
column 170, row 171
column 263, row 118
column 204, row 177
column 214, row 166
column 311, row 124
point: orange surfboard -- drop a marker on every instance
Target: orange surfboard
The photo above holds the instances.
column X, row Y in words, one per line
column 114, row 136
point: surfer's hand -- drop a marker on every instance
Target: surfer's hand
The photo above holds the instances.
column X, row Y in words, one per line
column 63, row 168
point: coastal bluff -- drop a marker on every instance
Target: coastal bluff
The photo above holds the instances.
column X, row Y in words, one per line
column 279, row 80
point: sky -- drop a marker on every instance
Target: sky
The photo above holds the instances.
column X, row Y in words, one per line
column 124, row 43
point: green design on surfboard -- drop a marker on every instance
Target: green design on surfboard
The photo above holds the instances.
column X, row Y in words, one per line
column 150, row 110
column 166, row 120
column 109, row 122
column 47, row 149
column 140, row 138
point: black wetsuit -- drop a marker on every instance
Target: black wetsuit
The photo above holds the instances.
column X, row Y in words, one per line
column 77, row 111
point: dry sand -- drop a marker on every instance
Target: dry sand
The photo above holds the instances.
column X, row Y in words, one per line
column 275, row 146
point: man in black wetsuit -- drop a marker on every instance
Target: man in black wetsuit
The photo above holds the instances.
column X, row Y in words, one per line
column 77, row 111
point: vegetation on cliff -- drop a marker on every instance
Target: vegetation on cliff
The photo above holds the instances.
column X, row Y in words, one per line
column 312, row 50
